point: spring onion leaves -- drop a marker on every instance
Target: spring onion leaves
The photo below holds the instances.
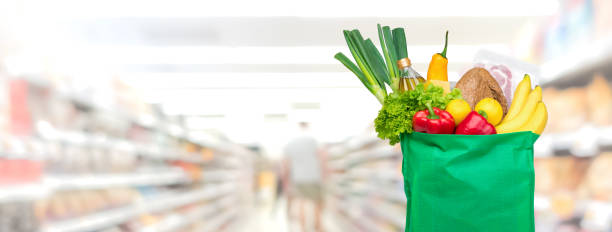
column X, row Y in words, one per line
column 374, row 69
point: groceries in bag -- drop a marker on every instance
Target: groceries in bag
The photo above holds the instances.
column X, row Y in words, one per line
column 477, row 95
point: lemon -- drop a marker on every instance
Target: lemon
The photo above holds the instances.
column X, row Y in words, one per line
column 458, row 108
column 492, row 110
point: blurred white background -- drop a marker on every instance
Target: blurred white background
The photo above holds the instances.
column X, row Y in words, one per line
column 252, row 69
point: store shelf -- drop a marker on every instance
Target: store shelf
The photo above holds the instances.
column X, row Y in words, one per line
column 155, row 204
column 178, row 221
column 598, row 216
column 367, row 185
column 220, row 175
column 100, row 158
column 396, row 196
column 385, row 210
column 240, row 222
column 346, row 222
column 389, row 213
column 541, row 202
column 371, row 174
column 102, row 181
column 54, row 183
column 380, row 152
column 23, row 192
column 85, row 101
column 214, row 223
column 391, row 192
column 166, row 154
column 353, row 144
column 360, row 221
column 576, row 67
column 145, row 121
column 597, row 213
column 76, row 138
column 589, row 140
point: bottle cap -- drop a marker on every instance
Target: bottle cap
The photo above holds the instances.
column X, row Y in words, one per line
column 403, row 63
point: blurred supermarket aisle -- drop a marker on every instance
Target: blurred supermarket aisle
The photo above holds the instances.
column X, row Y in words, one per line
column 268, row 218
column 151, row 116
column 274, row 218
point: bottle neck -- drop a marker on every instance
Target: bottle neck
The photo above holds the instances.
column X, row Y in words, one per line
column 406, row 72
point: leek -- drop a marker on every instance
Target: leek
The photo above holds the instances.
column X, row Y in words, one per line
column 351, row 66
column 399, row 39
column 373, row 69
column 390, row 53
column 377, row 63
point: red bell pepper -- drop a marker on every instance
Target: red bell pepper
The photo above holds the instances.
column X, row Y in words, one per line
column 433, row 121
column 475, row 123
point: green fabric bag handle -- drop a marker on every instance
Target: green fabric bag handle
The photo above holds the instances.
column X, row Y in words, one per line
column 469, row 183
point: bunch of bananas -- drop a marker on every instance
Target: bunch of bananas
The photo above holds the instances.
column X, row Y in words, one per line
column 527, row 112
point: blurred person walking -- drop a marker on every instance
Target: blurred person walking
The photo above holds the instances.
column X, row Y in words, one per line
column 303, row 171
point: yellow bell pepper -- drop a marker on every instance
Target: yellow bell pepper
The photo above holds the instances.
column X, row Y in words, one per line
column 438, row 67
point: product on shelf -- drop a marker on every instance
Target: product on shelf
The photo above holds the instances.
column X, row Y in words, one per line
column 595, row 182
column 367, row 187
column 69, row 157
column 574, row 107
column 572, row 191
column 72, row 204
column 207, row 154
column 599, row 101
column 18, row 217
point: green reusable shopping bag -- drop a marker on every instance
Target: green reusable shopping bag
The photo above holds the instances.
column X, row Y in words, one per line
column 469, row 183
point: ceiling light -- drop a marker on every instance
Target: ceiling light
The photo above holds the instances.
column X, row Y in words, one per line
column 312, row 8
column 263, row 55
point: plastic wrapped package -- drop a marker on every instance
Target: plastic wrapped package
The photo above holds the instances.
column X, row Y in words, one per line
column 509, row 74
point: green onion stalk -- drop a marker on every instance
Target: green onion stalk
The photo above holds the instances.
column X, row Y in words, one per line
column 373, row 69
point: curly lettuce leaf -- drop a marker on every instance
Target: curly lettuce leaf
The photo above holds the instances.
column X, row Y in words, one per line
column 397, row 111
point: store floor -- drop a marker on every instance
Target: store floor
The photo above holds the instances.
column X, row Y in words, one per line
column 272, row 216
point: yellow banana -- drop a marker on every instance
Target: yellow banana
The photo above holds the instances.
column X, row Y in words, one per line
column 521, row 119
column 537, row 122
column 520, row 95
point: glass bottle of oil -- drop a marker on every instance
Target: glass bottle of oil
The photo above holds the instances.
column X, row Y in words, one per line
column 409, row 78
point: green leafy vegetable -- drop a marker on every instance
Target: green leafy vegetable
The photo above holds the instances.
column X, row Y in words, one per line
column 399, row 38
column 368, row 69
column 395, row 117
column 390, row 54
column 373, row 68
